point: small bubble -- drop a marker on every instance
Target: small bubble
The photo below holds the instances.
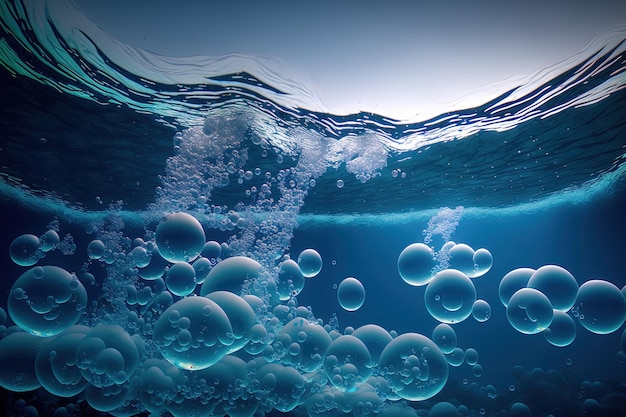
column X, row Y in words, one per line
column 340, row 184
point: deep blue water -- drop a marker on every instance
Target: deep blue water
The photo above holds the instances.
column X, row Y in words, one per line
column 94, row 148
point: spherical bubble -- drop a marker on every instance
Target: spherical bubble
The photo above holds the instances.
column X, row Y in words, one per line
column 471, row 356
column 155, row 268
column 290, row 280
column 443, row 409
column 351, row 294
column 107, row 356
column 450, row 295
column 529, row 311
column 55, row 364
column 283, row 386
column 180, row 237
column 513, row 281
column 49, row 240
column 310, row 263
column 212, row 250
column 477, row 370
column 340, row 183
column 45, row 300
column 375, row 338
column 462, row 258
column 230, row 274
column 25, row 250
column 181, row 279
column 312, row 349
column 557, row 284
column 444, row 337
column 414, row 366
column 140, row 256
column 482, row 263
column 416, row 263
column 456, row 357
column 347, row 363
column 562, row 330
column 18, row 352
column 520, row 410
column 601, row 306
column 203, row 342
column 240, row 314
column 96, row 249
column 481, row 310
column 202, row 266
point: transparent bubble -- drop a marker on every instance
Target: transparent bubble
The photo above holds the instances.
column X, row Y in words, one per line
column 203, row 342
column 96, row 249
column 520, row 410
column 230, row 275
column 557, row 284
column 290, row 280
column 155, row 268
column 449, row 296
column 312, row 350
column 513, row 281
column 310, row 263
column 351, row 294
column 477, row 370
column 212, row 250
column 49, row 240
column 444, row 337
column 461, row 258
column 55, row 364
column 414, row 366
column 240, row 314
column 202, row 266
column 18, row 352
column 340, row 184
column 46, row 300
column 562, row 330
column 416, row 263
column 443, row 409
column 375, row 338
column 456, row 357
column 483, row 260
column 180, row 237
column 25, row 250
column 471, row 356
column 181, row 279
column 529, row 311
column 107, row 356
column 601, row 306
column 347, row 363
column 481, row 310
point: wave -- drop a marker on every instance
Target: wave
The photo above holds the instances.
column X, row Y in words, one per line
column 559, row 131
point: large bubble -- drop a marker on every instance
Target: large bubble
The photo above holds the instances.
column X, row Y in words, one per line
column 312, row 340
column 347, row 363
column 180, row 237
column 45, row 300
column 56, row 363
column 529, row 311
column 310, row 262
column 375, row 338
column 193, row 333
column 230, row 275
column 107, row 356
column 512, row 282
column 414, row 366
column 444, row 337
column 351, row 294
column 600, row 306
column 562, row 330
column 181, row 279
column 557, row 284
column 416, row 264
column 450, row 296
column 290, row 280
column 18, row 352
column 25, row 250
column 240, row 314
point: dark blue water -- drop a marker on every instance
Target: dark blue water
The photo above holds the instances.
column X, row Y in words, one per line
column 94, row 150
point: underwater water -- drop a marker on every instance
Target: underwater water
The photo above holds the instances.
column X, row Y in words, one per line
column 182, row 238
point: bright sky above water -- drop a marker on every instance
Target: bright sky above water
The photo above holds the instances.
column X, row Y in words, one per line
column 402, row 59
